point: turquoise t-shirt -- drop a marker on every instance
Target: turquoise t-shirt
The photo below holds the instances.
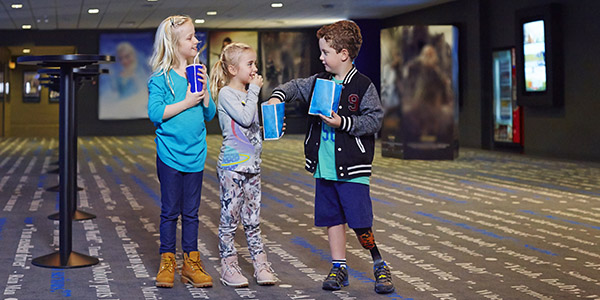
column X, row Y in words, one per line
column 181, row 139
column 326, row 166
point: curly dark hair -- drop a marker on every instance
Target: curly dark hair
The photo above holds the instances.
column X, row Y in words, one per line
column 342, row 35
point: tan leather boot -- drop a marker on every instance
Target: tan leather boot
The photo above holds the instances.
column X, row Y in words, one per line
column 262, row 270
column 231, row 274
column 193, row 271
column 166, row 271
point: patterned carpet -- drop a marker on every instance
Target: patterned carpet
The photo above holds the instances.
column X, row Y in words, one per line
column 485, row 226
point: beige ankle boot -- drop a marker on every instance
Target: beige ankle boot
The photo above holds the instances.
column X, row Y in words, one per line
column 193, row 271
column 262, row 270
column 231, row 274
column 166, row 271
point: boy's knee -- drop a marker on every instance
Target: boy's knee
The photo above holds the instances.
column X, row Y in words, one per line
column 366, row 238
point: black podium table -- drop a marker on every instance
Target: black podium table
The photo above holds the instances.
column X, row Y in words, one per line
column 66, row 258
column 52, row 81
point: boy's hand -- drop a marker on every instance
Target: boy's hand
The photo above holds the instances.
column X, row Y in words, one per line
column 274, row 100
column 334, row 121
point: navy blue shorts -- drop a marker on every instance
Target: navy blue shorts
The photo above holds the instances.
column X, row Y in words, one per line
column 339, row 202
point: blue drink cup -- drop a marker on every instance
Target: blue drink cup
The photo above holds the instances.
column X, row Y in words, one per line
column 193, row 78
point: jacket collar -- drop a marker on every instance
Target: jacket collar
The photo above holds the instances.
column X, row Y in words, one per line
column 349, row 75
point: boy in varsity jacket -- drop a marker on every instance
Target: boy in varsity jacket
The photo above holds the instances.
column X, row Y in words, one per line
column 339, row 151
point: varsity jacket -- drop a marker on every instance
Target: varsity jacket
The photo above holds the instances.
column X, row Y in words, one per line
column 361, row 114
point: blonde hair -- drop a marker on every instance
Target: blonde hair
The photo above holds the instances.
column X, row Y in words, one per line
column 165, row 46
column 230, row 56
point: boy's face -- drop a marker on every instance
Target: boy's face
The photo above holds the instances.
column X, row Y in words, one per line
column 333, row 62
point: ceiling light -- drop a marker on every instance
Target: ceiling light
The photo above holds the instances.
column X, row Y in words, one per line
column 277, row 4
column 26, row 26
column 211, row 13
column 93, row 11
column 16, row 5
column 26, row 50
column 152, row 0
column 199, row 21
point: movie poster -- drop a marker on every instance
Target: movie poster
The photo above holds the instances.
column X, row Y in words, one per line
column 123, row 92
column 419, row 92
column 31, row 86
column 220, row 39
column 202, row 38
column 285, row 56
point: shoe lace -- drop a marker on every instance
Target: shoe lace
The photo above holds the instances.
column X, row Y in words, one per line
column 336, row 274
column 263, row 266
column 382, row 274
column 233, row 267
column 196, row 265
column 167, row 263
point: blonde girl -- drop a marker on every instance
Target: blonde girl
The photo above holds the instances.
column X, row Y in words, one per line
column 179, row 117
column 235, row 81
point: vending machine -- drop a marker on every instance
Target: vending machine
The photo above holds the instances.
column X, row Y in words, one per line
column 507, row 115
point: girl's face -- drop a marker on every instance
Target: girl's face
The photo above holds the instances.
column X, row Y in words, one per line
column 127, row 58
column 330, row 59
column 186, row 46
column 246, row 68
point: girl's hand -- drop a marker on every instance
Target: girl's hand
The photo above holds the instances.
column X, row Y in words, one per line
column 257, row 79
column 203, row 76
column 334, row 121
column 192, row 99
column 204, row 79
column 284, row 124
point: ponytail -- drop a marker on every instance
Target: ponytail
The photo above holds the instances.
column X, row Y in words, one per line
column 219, row 77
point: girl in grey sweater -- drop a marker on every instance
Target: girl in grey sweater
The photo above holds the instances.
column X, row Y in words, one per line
column 238, row 167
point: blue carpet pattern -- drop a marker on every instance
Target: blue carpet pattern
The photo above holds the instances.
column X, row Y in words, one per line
column 487, row 225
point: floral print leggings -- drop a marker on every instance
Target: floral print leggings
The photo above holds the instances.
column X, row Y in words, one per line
column 240, row 200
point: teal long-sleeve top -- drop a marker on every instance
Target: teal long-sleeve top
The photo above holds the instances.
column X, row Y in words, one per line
column 181, row 139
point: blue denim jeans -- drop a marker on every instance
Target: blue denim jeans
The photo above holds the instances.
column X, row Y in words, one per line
column 180, row 195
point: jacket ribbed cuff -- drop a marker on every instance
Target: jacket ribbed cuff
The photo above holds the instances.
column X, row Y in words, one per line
column 346, row 124
column 279, row 94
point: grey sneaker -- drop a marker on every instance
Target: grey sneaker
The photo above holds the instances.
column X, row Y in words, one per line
column 337, row 278
column 383, row 279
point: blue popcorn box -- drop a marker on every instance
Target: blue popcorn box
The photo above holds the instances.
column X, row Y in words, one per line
column 325, row 97
column 272, row 118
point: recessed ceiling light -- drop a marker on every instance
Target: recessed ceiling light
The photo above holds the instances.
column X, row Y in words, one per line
column 211, row 13
column 152, row 0
column 16, row 5
column 199, row 21
column 276, row 4
column 26, row 50
column 26, row 26
column 93, row 11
